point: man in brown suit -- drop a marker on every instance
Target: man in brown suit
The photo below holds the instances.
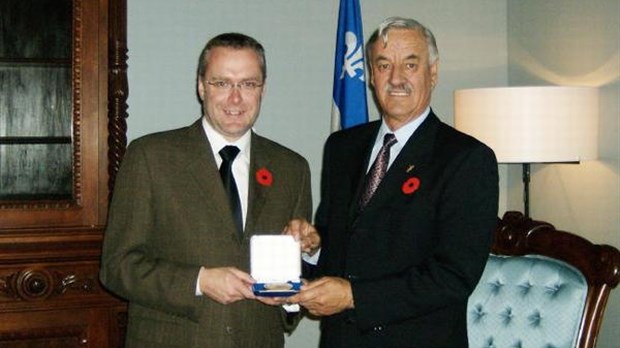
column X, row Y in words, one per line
column 176, row 246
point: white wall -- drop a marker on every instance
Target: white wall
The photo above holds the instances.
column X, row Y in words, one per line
column 574, row 43
column 165, row 38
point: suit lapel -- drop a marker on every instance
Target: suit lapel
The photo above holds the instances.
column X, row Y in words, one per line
column 260, row 158
column 203, row 170
column 363, row 148
column 416, row 154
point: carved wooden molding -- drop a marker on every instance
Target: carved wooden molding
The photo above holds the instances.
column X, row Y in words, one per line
column 517, row 235
column 77, row 102
column 66, row 336
column 118, row 89
column 35, row 284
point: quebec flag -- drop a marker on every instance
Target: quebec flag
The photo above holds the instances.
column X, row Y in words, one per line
column 349, row 108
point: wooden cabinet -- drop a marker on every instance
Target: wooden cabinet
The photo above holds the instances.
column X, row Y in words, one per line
column 63, row 91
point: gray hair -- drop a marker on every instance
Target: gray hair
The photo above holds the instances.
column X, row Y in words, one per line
column 403, row 23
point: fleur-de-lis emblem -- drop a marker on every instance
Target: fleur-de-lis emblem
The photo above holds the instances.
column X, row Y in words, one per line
column 354, row 58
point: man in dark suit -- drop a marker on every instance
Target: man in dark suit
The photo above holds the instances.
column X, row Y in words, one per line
column 176, row 245
column 399, row 258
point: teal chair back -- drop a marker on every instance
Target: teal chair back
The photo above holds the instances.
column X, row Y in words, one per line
column 541, row 288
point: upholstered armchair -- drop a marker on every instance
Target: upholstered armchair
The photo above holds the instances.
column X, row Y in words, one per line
column 541, row 288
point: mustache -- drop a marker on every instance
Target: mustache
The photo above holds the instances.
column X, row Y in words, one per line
column 400, row 88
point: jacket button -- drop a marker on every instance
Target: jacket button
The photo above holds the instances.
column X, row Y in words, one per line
column 229, row 330
column 351, row 276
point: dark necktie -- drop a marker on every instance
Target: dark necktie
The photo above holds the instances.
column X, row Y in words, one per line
column 377, row 171
column 228, row 154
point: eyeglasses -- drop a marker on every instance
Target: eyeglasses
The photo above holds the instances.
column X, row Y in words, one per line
column 225, row 85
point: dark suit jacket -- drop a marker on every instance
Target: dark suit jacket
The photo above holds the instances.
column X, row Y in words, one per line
column 170, row 215
column 413, row 258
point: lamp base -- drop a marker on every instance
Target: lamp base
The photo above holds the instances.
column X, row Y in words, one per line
column 526, row 189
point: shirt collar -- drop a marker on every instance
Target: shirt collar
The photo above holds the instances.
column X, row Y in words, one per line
column 217, row 141
column 404, row 133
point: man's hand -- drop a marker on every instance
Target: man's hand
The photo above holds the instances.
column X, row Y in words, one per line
column 226, row 284
column 305, row 233
column 325, row 296
column 273, row 301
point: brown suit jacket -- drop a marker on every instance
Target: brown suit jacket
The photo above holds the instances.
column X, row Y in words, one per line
column 170, row 215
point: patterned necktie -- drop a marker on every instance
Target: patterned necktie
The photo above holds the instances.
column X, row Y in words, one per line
column 228, row 154
column 377, row 171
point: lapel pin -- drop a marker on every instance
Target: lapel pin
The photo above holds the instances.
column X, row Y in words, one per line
column 410, row 168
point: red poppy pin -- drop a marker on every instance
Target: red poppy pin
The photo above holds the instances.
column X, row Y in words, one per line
column 411, row 185
column 264, row 177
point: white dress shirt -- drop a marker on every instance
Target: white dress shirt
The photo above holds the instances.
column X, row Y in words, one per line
column 240, row 168
column 241, row 164
column 402, row 135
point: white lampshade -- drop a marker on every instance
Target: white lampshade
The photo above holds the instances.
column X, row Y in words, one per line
column 531, row 124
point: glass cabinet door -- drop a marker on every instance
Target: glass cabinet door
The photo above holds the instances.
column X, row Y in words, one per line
column 63, row 88
column 36, row 113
